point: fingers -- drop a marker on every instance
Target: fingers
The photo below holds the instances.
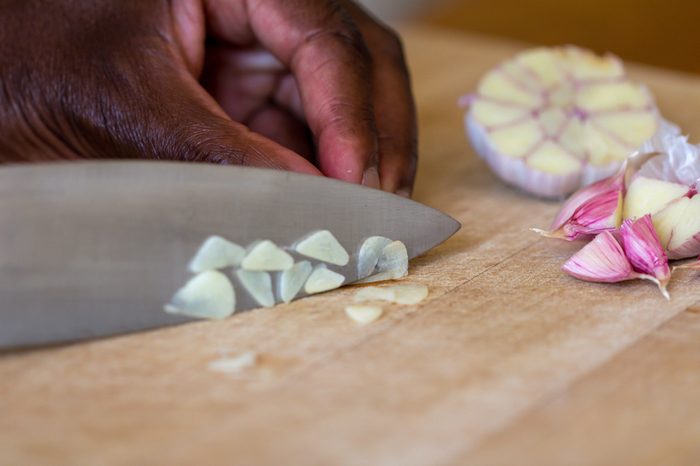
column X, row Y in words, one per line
column 394, row 105
column 333, row 70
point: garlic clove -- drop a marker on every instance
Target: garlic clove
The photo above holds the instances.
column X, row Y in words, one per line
column 374, row 293
column 322, row 279
column 266, row 256
column 399, row 294
column 369, row 254
column 322, row 245
column 392, row 263
column 603, row 261
column 216, row 253
column 593, row 209
column 363, row 314
column 292, row 280
column 258, row 285
column 649, row 196
column 644, row 251
column 678, row 226
column 548, row 127
column 207, row 295
column 409, row 294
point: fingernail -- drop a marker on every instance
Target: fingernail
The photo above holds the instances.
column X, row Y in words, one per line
column 404, row 192
column 371, row 178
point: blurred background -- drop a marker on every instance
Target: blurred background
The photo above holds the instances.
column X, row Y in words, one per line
column 658, row 32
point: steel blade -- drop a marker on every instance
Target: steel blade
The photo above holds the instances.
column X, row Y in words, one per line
column 91, row 249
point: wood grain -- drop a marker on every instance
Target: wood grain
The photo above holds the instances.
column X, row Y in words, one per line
column 506, row 351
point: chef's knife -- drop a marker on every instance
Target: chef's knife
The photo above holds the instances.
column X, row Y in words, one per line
column 91, row 249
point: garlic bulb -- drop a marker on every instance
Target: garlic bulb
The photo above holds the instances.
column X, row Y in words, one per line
column 551, row 120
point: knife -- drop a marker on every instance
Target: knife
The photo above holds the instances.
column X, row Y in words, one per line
column 91, row 249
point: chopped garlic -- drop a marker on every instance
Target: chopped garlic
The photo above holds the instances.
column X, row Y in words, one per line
column 392, row 264
column 369, row 254
column 207, row 295
column 266, row 256
column 259, row 285
column 216, row 253
column 363, row 314
column 291, row 281
column 322, row 245
column 399, row 294
column 322, row 279
column 234, row 365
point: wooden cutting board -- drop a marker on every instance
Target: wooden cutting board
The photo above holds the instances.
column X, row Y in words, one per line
column 508, row 362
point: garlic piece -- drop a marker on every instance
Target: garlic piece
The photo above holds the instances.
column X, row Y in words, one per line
column 551, row 120
column 322, row 279
column 216, row 253
column 399, row 294
column 322, row 245
column 649, row 196
column 234, row 365
column 644, row 251
column 369, row 254
column 392, row 263
column 292, row 280
column 207, row 295
column 363, row 314
column 603, row 261
column 591, row 210
column 678, row 226
column 258, row 285
column 266, row 256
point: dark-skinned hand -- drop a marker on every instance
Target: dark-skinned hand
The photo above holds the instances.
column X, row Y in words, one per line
column 313, row 86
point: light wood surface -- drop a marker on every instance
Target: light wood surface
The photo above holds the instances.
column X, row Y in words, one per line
column 508, row 362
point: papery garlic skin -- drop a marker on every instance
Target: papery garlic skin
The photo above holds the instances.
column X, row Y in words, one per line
column 644, row 251
column 601, row 260
column 551, row 120
column 592, row 210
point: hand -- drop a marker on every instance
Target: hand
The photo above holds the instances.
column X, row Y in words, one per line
column 314, row 86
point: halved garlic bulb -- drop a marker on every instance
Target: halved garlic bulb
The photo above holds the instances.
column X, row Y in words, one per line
column 322, row 279
column 259, row 285
column 266, row 256
column 207, row 295
column 369, row 254
column 216, row 253
column 551, row 120
column 292, row 280
column 322, row 245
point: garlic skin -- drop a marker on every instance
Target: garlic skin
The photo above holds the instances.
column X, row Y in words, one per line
column 603, row 261
column 592, row 210
column 322, row 245
column 322, row 279
column 266, row 256
column 644, row 251
column 292, row 280
column 216, row 253
column 207, row 295
column 551, row 120
column 258, row 285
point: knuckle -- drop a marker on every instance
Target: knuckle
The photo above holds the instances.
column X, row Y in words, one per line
column 345, row 39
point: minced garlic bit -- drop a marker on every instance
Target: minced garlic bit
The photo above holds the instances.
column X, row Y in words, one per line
column 363, row 314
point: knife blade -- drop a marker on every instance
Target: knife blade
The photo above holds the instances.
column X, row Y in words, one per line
column 91, row 249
